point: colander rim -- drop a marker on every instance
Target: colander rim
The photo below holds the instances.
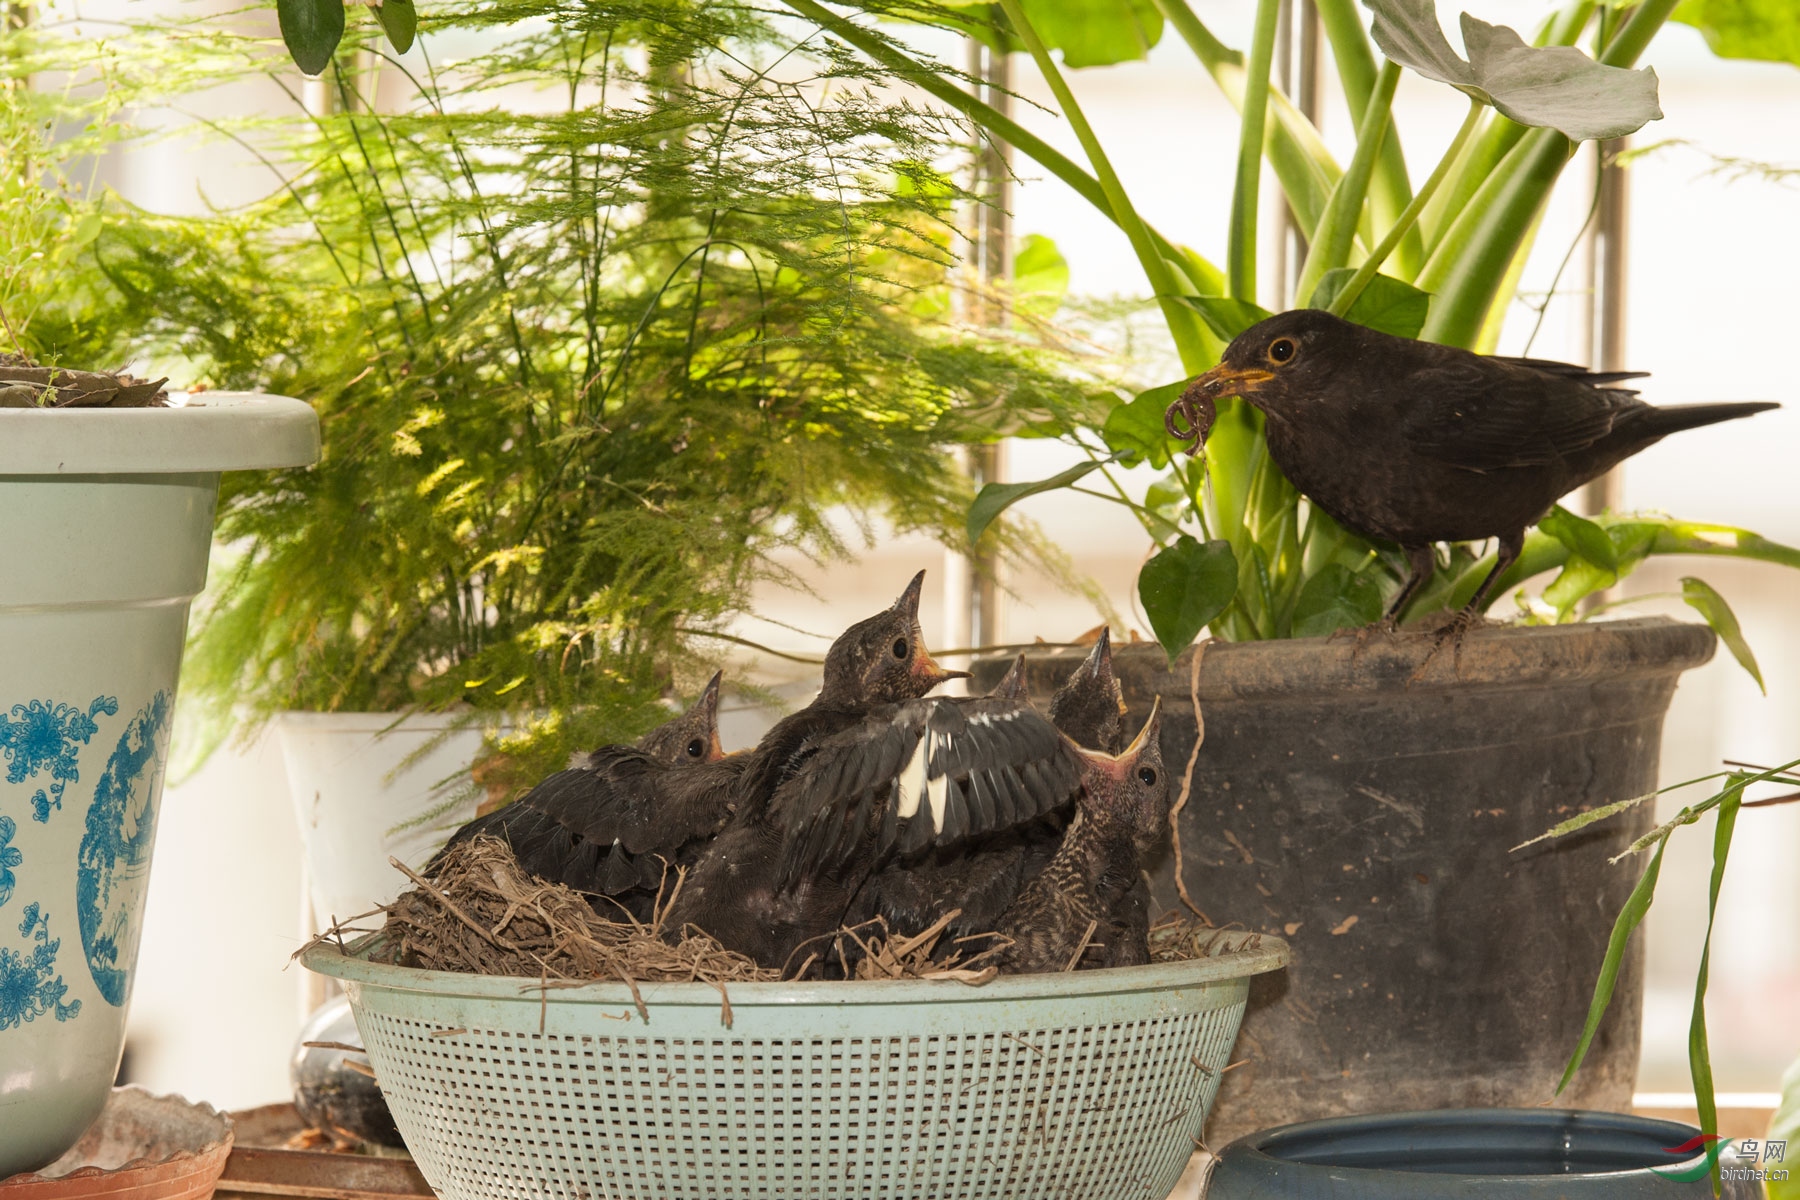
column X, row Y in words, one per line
column 1265, row 953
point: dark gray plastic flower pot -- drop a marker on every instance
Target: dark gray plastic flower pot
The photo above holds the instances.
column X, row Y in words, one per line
column 1494, row 1154
column 1363, row 803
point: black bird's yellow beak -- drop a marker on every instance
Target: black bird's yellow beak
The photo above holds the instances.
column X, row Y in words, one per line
column 1225, row 380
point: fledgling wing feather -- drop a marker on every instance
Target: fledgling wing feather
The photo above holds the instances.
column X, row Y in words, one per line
column 1485, row 414
column 611, row 824
column 920, row 773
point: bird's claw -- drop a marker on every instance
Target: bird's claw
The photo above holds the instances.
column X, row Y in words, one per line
column 1451, row 633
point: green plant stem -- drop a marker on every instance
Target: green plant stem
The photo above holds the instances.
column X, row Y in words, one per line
column 1468, row 267
column 1183, row 323
column 1409, row 218
column 1331, row 240
column 1203, row 277
column 1391, row 190
column 1240, row 255
column 1302, row 163
column 1498, row 136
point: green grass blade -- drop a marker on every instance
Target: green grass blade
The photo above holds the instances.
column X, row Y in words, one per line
column 1704, row 599
column 1699, row 1053
column 1630, row 917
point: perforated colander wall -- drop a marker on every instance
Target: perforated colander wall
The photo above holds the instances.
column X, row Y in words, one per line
column 1036, row 1087
column 1102, row 1111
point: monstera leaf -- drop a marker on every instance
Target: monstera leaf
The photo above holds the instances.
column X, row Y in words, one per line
column 1557, row 87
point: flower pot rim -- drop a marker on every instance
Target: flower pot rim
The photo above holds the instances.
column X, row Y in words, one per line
column 349, row 965
column 204, row 433
column 1254, row 1149
column 1511, row 656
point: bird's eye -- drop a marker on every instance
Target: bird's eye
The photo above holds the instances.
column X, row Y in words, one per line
column 1147, row 776
column 900, row 648
column 1281, row 350
column 695, row 748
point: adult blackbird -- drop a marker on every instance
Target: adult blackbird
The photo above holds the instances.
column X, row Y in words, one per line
column 981, row 879
column 615, row 826
column 1416, row 443
column 1078, row 911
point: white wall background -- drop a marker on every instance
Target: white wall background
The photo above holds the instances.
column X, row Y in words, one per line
column 1712, row 315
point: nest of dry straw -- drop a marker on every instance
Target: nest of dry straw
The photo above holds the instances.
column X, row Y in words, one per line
column 480, row 914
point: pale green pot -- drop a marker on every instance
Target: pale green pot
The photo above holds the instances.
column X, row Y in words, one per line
column 105, row 526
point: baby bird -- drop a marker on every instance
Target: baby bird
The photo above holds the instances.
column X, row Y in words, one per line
column 1077, row 911
column 982, row 879
column 557, row 830
column 614, row 826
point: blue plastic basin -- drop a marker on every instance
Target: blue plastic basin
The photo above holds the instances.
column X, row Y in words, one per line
column 1496, row 1153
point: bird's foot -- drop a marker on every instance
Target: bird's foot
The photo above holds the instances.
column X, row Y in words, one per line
column 1448, row 630
column 1385, row 629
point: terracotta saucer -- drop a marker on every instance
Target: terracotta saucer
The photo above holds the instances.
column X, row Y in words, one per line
column 143, row 1147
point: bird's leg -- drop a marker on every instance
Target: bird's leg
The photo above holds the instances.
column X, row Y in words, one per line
column 1470, row 615
column 1423, row 562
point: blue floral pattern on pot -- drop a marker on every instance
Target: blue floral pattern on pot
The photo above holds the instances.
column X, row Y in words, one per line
column 29, row 987
column 114, row 861
column 41, row 736
column 10, row 858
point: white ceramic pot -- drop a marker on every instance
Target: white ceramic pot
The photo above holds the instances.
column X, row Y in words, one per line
column 359, row 801
column 105, row 525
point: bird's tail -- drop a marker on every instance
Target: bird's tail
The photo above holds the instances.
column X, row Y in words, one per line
column 1677, row 417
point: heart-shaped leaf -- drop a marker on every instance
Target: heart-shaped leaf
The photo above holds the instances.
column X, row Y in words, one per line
column 1708, row 603
column 312, row 30
column 1135, row 431
column 1768, row 30
column 1335, row 599
column 1040, row 277
column 1090, row 33
column 400, row 21
column 1386, row 304
column 996, row 498
column 1185, row 586
column 1226, row 316
column 1583, row 537
column 1557, row 87
column 1096, row 33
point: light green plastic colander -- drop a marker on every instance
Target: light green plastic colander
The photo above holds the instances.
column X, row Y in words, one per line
column 1091, row 1084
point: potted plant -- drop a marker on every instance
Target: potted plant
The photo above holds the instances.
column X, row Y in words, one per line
column 597, row 322
column 1360, row 797
column 1738, row 789
column 108, row 517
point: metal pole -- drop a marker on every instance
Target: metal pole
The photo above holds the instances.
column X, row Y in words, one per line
column 973, row 597
column 1612, row 222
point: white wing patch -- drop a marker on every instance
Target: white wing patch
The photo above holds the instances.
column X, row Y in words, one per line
column 912, row 782
column 940, row 795
column 923, row 779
